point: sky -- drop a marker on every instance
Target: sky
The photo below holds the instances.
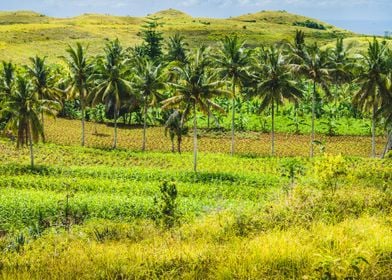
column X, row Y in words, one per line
column 362, row 16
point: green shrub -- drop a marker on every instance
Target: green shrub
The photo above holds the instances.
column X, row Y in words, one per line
column 310, row 24
column 166, row 204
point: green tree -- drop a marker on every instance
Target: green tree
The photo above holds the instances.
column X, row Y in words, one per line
column 23, row 107
column 112, row 86
column 386, row 111
column 149, row 82
column 152, row 39
column 341, row 64
column 6, row 80
column 313, row 64
column 297, row 48
column 43, row 82
column 81, row 69
column 177, row 49
column 195, row 88
column 233, row 64
column 7, row 77
column 275, row 84
column 372, row 81
column 386, row 107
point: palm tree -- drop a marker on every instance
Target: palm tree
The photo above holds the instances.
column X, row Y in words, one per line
column 81, row 70
column 372, row 80
column 275, row 84
column 232, row 62
column 42, row 82
column 149, row 81
column 112, row 86
column 7, row 77
column 341, row 64
column 313, row 64
column 177, row 49
column 297, row 48
column 6, row 82
column 194, row 90
column 386, row 108
column 23, row 107
column 386, row 111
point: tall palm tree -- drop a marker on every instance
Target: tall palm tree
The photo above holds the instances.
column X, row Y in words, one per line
column 6, row 82
column 386, row 108
column 195, row 88
column 81, row 69
column 23, row 107
column 275, row 83
column 149, row 82
column 386, row 111
column 372, row 80
column 341, row 64
column 177, row 49
column 232, row 63
column 340, row 60
column 42, row 82
column 112, row 86
column 297, row 48
column 7, row 77
column 313, row 64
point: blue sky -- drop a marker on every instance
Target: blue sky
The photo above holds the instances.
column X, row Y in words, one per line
column 365, row 16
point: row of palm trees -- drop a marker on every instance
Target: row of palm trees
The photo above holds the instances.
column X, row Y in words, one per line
column 189, row 82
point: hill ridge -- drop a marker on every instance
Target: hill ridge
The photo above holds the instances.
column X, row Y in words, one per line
column 26, row 34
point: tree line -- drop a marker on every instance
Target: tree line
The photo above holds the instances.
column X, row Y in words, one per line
column 184, row 82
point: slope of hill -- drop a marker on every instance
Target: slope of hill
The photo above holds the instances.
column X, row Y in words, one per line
column 24, row 34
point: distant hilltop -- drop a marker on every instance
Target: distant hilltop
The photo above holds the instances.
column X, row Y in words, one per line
column 27, row 33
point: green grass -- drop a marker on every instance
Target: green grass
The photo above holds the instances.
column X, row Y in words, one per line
column 238, row 218
column 24, row 34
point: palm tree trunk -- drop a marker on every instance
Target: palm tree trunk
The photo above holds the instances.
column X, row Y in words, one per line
column 374, row 131
column 233, row 121
column 82, row 108
column 43, row 127
column 179, row 140
column 313, row 119
column 115, row 129
column 208, row 117
column 31, row 146
column 388, row 146
column 194, row 138
column 144, row 125
column 273, row 130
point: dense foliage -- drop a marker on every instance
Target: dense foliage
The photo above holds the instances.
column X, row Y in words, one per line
column 326, row 83
column 310, row 24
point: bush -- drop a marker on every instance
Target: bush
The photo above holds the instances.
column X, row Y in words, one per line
column 330, row 169
column 310, row 24
column 166, row 204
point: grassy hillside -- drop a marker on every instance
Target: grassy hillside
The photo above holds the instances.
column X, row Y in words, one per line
column 24, row 34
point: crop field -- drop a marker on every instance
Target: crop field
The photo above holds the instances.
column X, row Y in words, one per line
column 92, row 213
column 247, row 144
